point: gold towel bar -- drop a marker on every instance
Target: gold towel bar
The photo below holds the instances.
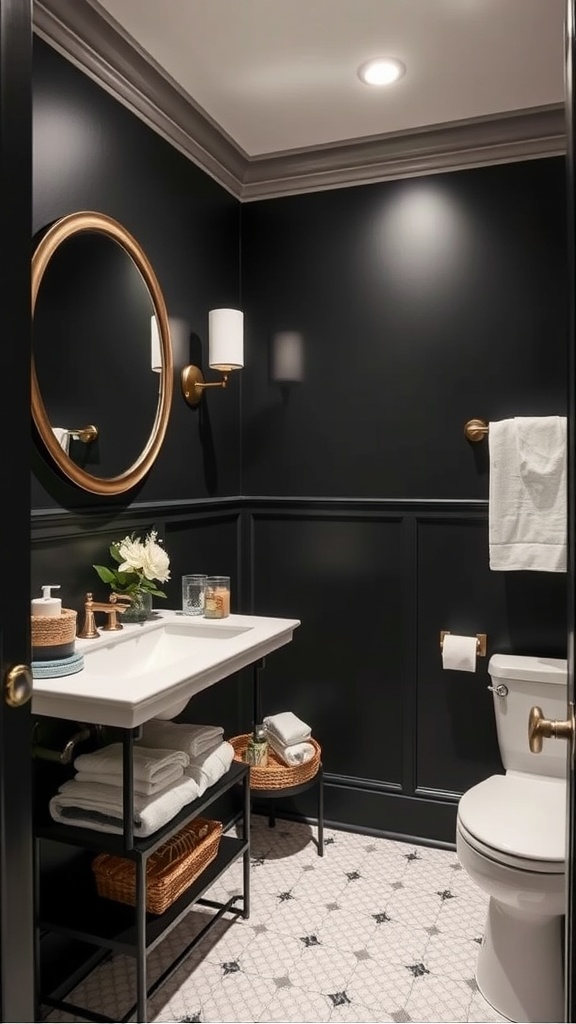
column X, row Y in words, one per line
column 480, row 642
column 476, row 430
column 84, row 434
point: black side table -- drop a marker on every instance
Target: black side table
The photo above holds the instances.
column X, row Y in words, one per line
column 288, row 791
column 279, row 794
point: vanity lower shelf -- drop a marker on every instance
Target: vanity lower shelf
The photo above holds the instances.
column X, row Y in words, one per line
column 87, row 917
column 70, row 905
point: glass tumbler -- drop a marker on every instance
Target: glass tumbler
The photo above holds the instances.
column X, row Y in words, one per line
column 193, row 591
column 217, row 601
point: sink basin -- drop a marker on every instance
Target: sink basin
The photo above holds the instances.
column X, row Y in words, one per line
column 157, row 649
column 152, row 669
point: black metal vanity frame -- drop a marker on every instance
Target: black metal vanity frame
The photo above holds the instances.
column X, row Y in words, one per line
column 78, row 912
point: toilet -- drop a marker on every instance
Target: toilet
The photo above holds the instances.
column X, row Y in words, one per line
column 510, row 838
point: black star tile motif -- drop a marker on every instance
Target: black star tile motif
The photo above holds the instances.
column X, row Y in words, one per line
column 362, row 954
column 329, row 840
column 257, row 862
column 418, row 970
column 456, row 866
column 332, row 906
column 230, row 967
column 397, row 885
column 370, row 849
column 283, row 896
column 339, row 998
column 471, row 982
column 259, row 929
column 353, row 875
column 381, row 917
column 412, row 856
column 433, row 930
column 446, row 895
column 401, row 1017
column 310, row 940
column 308, row 867
column 478, row 939
column 194, row 1019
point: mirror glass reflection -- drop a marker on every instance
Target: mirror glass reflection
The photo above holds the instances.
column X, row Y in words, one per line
column 91, row 347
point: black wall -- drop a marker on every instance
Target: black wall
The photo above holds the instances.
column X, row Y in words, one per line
column 351, row 500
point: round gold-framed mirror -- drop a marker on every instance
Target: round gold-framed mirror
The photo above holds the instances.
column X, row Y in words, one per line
column 94, row 354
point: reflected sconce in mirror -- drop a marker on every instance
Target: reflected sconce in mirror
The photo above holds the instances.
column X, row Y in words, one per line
column 226, row 353
column 287, row 357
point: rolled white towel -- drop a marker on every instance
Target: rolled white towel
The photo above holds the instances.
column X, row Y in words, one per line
column 208, row 768
column 193, row 739
column 151, row 765
column 93, row 805
column 167, row 775
column 287, row 728
column 295, row 753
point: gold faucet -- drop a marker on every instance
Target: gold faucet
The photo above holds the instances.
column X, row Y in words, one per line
column 112, row 610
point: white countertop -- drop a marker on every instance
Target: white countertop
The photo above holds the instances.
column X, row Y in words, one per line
column 153, row 668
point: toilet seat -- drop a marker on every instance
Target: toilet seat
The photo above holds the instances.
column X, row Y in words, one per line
column 517, row 820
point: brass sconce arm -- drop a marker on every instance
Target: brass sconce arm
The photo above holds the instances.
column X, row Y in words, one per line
column 193, row 384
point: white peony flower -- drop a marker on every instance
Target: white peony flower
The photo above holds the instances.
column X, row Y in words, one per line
column 155, row 561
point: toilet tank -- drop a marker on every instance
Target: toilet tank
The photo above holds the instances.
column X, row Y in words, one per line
column 529, row 681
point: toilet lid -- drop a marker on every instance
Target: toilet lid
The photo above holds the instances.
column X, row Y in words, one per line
column 520, row 815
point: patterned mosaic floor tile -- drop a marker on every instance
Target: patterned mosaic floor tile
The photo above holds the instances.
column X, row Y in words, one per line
column 376, row 930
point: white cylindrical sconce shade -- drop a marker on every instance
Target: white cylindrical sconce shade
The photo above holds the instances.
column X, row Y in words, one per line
column 155, row 346
column 287, row 357
column 226, row 339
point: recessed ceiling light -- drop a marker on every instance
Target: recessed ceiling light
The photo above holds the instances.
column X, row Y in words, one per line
column 382, row 71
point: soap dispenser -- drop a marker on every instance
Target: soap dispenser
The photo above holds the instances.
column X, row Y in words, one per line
column 47, row 605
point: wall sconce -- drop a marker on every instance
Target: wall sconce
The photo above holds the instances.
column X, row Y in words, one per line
column 226, row 353
column 287, row 357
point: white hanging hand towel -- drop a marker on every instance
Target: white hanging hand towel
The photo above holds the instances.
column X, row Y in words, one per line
column 192, row 739
column 150, row 764
column 63, row 438
column 92, row 805
column 527, row 495
column 287, row 728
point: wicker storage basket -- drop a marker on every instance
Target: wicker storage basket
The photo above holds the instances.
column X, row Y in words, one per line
column 170, row 870
column 276, row 774
column 51, row 631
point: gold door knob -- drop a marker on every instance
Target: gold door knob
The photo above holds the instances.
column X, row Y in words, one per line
column 18, row 686
column 543, row 728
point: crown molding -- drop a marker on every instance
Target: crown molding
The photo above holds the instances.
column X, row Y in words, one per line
column 84, row 33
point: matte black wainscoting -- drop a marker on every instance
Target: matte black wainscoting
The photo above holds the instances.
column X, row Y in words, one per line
column 373, row 582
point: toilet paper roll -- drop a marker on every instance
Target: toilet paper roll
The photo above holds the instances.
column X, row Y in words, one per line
column 459, row 652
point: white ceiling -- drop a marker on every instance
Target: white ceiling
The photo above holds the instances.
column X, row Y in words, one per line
column 279, row 75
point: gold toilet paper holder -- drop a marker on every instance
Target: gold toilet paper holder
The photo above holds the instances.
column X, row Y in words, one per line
column 480, row 642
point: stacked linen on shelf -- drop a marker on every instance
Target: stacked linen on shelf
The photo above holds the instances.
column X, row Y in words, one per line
column 210, row 755
column 94, row 797
column 288, row 736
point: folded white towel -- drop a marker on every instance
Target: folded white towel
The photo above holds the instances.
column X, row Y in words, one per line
column 287, row 728
column 93, row 805
column 528, row 501
column 193, row 739
column 295, row 753
column 150, row 764
column 208, row 768
column 171, row 773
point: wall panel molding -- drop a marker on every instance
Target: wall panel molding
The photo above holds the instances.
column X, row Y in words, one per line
column 90, row 38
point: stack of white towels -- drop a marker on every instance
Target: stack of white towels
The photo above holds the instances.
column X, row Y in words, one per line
column 289, row 738
column 174, row 763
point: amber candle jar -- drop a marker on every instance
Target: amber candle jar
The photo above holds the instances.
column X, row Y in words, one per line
column 217, row 597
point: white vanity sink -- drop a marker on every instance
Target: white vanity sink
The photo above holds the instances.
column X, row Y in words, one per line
column 151, row 669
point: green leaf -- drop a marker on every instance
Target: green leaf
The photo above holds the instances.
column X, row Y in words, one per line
column 105, row 574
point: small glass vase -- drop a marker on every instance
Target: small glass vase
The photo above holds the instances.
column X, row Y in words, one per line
column 140, row 609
